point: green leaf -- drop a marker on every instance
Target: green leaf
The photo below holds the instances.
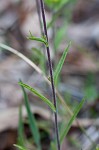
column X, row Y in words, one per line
column 21, row 129
column 32, row 121
column 65, row 129
column 19, row 147
column 59, row 36
column 47, row 101
column 42, row 40
column 60, row 64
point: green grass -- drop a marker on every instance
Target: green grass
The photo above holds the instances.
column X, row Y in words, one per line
column 21, row 137
column 32, row 121
column 64, row 129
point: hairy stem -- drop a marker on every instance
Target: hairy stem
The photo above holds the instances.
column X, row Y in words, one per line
column 51, row 73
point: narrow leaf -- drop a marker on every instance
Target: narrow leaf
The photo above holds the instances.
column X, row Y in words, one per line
column 38, row 94
column 19, row 147
column 32, row 121
column 65, row 130
column 60, row 64
column 42, row 40
column 21, row 129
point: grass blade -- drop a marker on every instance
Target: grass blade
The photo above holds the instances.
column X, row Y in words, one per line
column 65, row 130
column 38, row 94
column 19, row 147
column 32, row 121
column 60, row 64
column 21, row 129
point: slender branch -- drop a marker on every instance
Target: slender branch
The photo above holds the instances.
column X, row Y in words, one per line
column 51, row 73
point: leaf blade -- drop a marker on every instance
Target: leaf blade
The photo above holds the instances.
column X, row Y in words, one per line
column 19, row 147
column 32, row 121
column 38, row 94
column 65, row 131
column 21, row 137
column 60, row 64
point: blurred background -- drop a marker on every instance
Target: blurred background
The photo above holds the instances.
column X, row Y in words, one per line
column 76, row 21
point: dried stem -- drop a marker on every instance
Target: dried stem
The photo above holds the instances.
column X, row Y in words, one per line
column 51, row 73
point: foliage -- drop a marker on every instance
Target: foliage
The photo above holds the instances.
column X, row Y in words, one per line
column 42, row 40
column 32, row 121
column 60, row 64
column 64, row 129
column 38, row 94
column 20, row 147
column 21, row 137
column 57, row 5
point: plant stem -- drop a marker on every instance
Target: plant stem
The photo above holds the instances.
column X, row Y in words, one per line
column 51, row 74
